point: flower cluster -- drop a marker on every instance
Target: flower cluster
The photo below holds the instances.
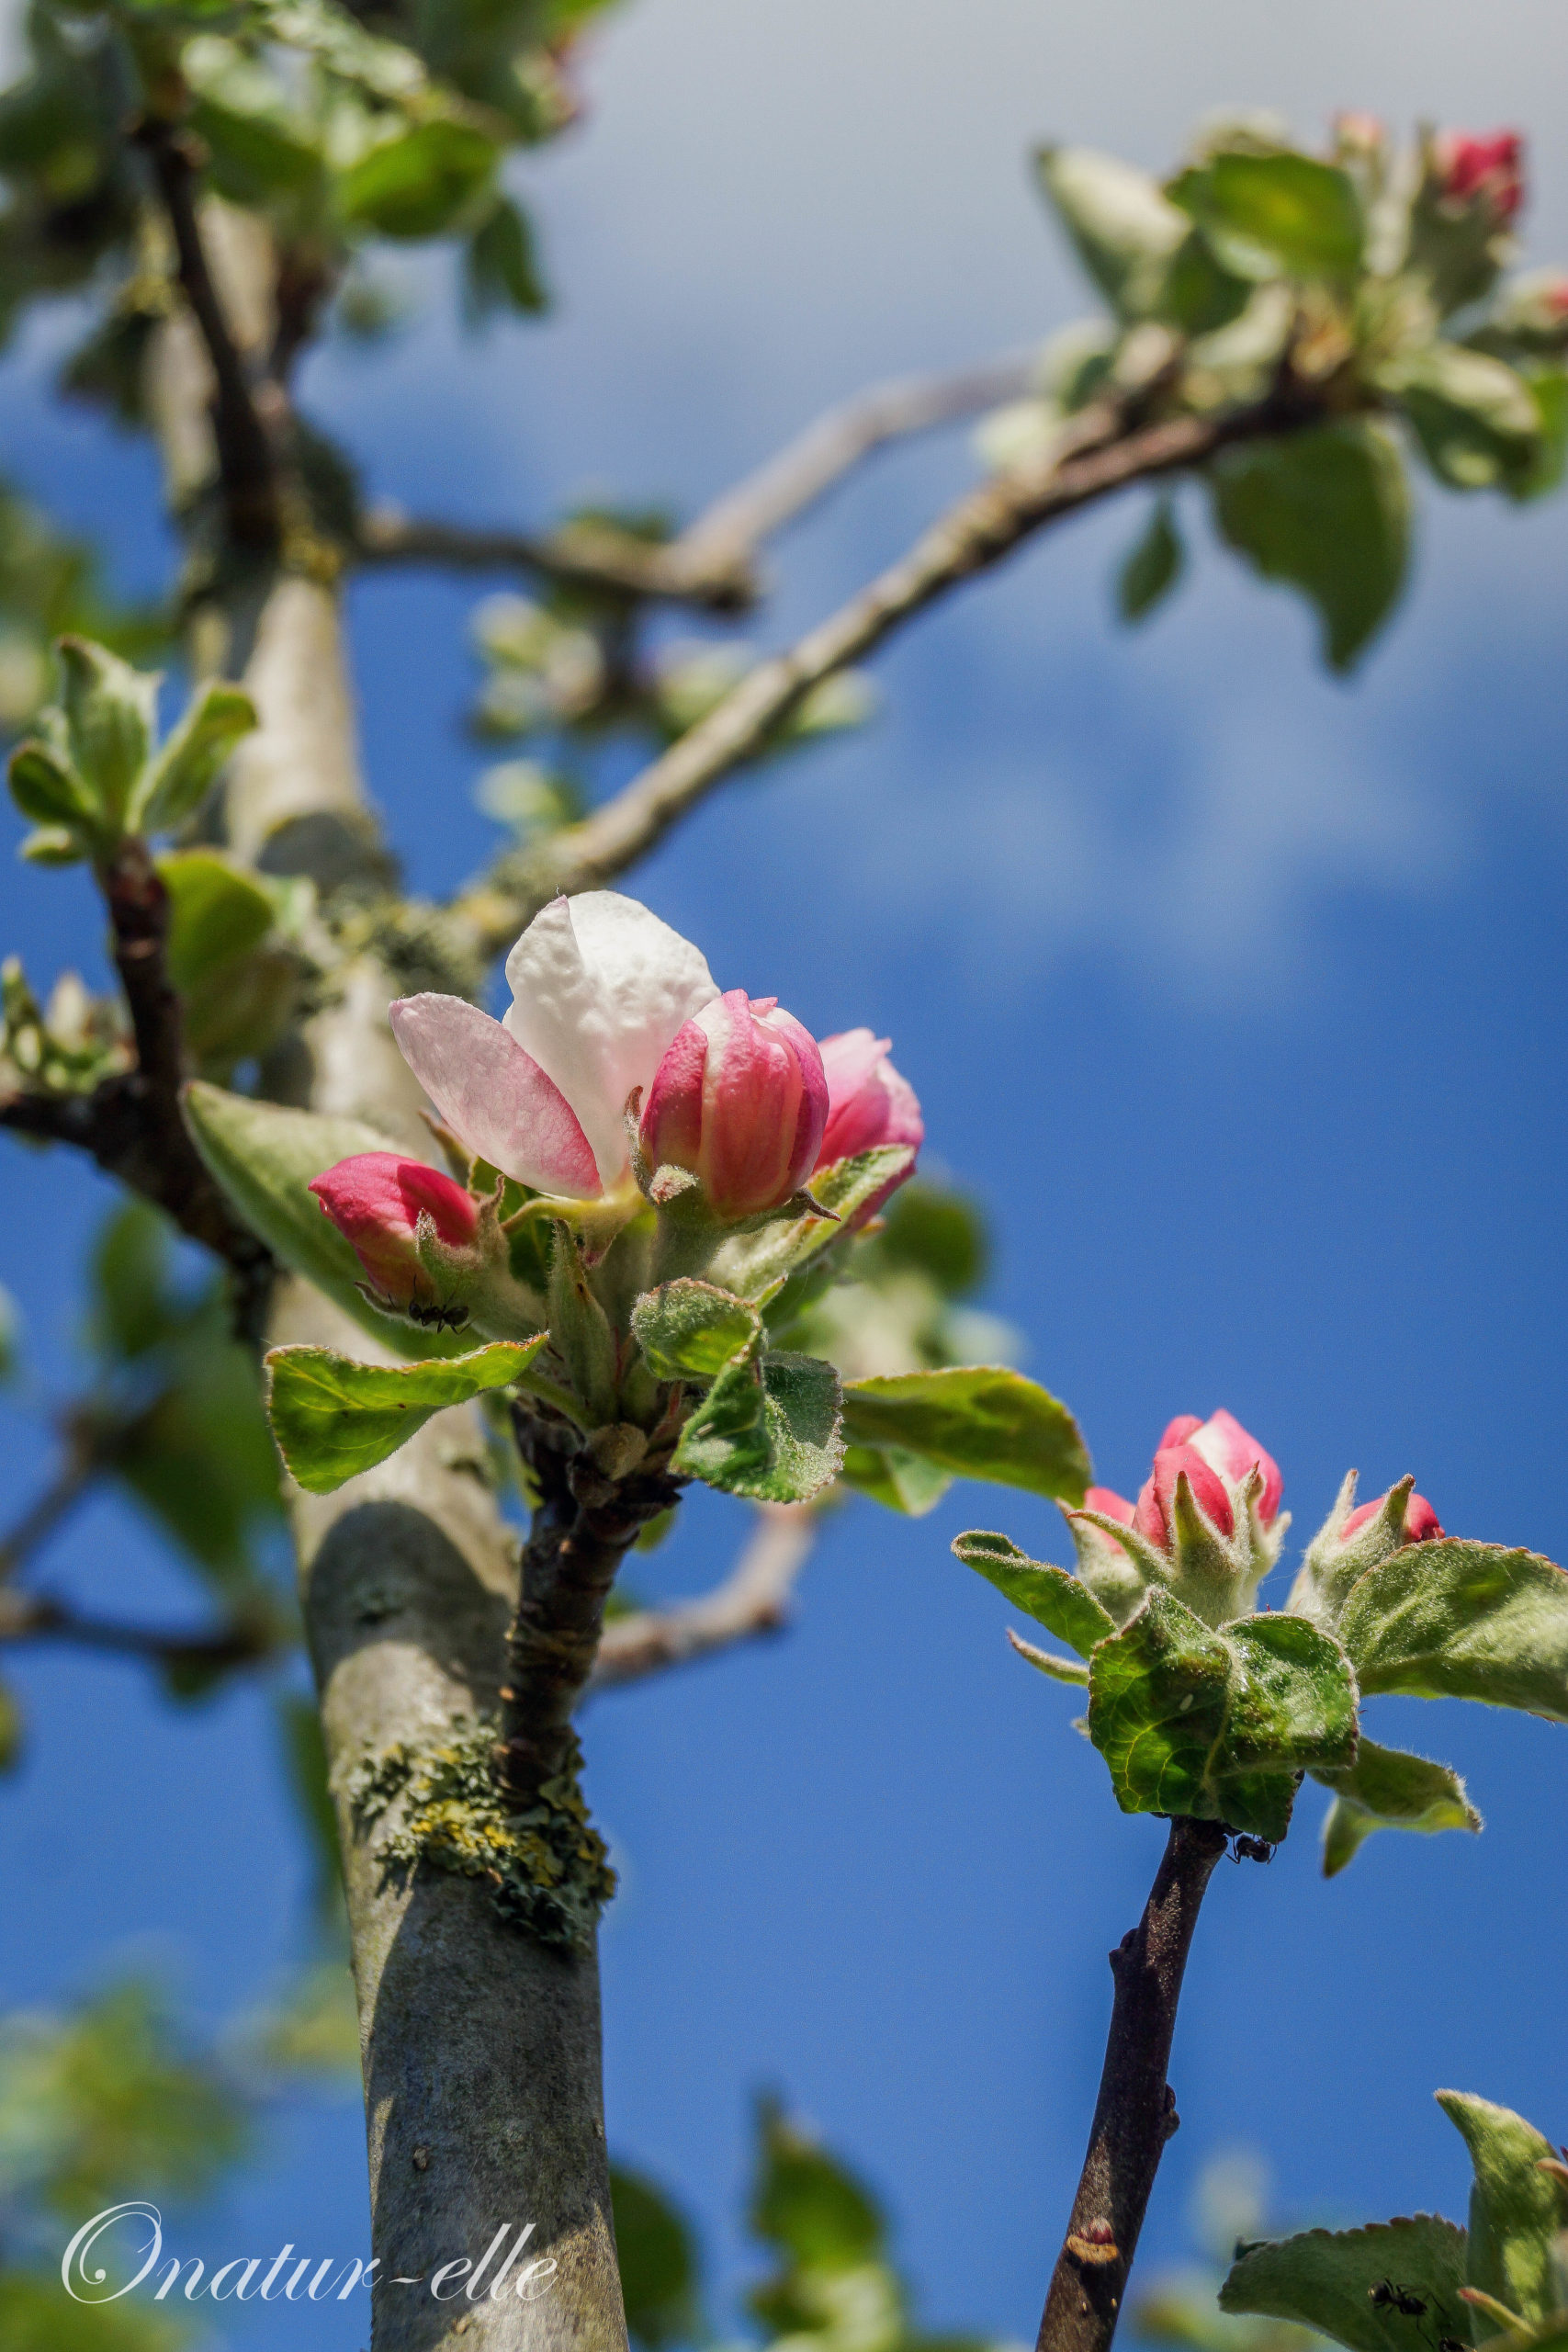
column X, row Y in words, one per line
column 619, row 1069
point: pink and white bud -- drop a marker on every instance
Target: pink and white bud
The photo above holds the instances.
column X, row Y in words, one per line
column 1155, row 1517
column 739, row 1102
column 376, row 1200
column 1485, row 170
column 869, row 1103
column 1217, row 1455
column 1420, row 1520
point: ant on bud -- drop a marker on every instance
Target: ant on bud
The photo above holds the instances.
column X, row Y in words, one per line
column 1252, row 1849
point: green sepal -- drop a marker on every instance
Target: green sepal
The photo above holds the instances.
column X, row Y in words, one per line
column 1217, row 1724
column 900, row 1480
column 334, row 1417
column 1515, row 2210
column 1327, row 511
column 1058, row 1669
column 581, row 1333
column 1448, row 1619
column 263, row 1154
column 756, row 1261
column 977, row 1422
column 1323, row 2279
column 173, row 785
column 770, row 1430
column 1051, row 1595
column 691, row 1331
column 1386, row 1788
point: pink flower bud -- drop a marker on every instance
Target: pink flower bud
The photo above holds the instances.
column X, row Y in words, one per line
column 1480, row 170
column 1110, row 1504
column 1227, row 1447
column 1217, row 1455
column 1420, row 1518
column 375, row 1201
column 1154, row 1517
column 868, row 1103
column 740, row 1100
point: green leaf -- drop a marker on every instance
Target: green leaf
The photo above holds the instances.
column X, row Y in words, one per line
column 420, row 183
column 1123, row 229
column 1051, row 1595
column 1059, row 1669
column 891, row 1475
column 1387, row 1789
column 1474, row 417
column 1268, row 213
column 1324, row 2279
column 756, row 1265
column 691, row 1331
column 1549, row 390
column 265, row 1154
column 1446, row 1619
column 216, row 914
column 1153, row 567
column 53, row 845
column 47, row 788
column 939, row 1233
column 1328, row 512
column 334, row 1417
column 1214, row 1725
column 109, row 712
column 811, row 2208
column 35, row 2316
column 502, row 267
column 1515, row 2210
column 979, row 1421
column 658, row 2261
column 193, row 757
column 768, row 1431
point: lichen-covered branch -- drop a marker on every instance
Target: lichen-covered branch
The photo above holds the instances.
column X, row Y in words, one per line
column 753, row 1601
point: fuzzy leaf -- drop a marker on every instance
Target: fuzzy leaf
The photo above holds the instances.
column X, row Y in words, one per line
column 1264, row 213
column 1052, row 1597
column 978, row 1420
column 1387, row 1789
column 1446, row 1619
column 48, row 789
column 1046, row 1662
column 420, row 183
column 691, row 1331
column 769, row 1430
column 110, row 710
column 1323, row 2277
column 756, row 1265
column 1328, row 512
column 265, row 1154
column 175, row 783
column 1153, row 565
column 1515, row 2210
column 216, row 914
column 1214, row 1725
column 1123, row 230
column 334, row 1417
column 891, row 1475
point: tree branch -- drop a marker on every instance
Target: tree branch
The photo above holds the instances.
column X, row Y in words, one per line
column 753, row 1599
column 712, row 563
column 974, row 536
column 42, row 1516
column 246, row 465
column 1135, row 2112
column 31, row 1617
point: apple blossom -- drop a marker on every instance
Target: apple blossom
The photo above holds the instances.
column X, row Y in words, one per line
column 600, row 990
column 377, row 1200
column 739, row 1102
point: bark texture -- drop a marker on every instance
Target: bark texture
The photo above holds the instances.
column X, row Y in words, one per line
column 1135, row 2112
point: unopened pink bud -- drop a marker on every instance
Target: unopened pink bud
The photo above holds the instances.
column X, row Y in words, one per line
column 869, row 1103
column 1110, row 1504
column 1226, row 1445
column 740, row 1101
column 1481, row 169
column 1155, row 1517
column 1420, row 1518
column 376, row 1199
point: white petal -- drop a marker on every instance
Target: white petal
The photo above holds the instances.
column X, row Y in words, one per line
column 599, row 987
column 494, row 1096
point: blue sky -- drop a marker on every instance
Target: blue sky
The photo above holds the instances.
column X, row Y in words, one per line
column 1239, row 994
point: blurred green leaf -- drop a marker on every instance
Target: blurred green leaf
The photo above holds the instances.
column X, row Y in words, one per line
column 1153, row 565
column 658, row 2261
column 1515, row 2210
column 1328, row 512
column 10, row 1731
column 890, row 1474
column 216, row 914
column 191, row 759
column 1386, row 1788
column 334, row 1417
column 806, row 2203
column 110, row 712
column 940, row 1232
column 1216, row 1725
column 37, row 2316
column 131, row 1310
column 502, row 266
column 1474, row 417
column 1123, row 229
column 420, row 183
column 1323, row 2279
column 1264, row 213
column 978, row 1421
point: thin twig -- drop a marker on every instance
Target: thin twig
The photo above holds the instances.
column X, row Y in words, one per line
column 753, row 1599
column 247, row 469
column 35, row 1617
column 38, row 1522
column 1135, row 2112
column 712, row 563
column 974, row 535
